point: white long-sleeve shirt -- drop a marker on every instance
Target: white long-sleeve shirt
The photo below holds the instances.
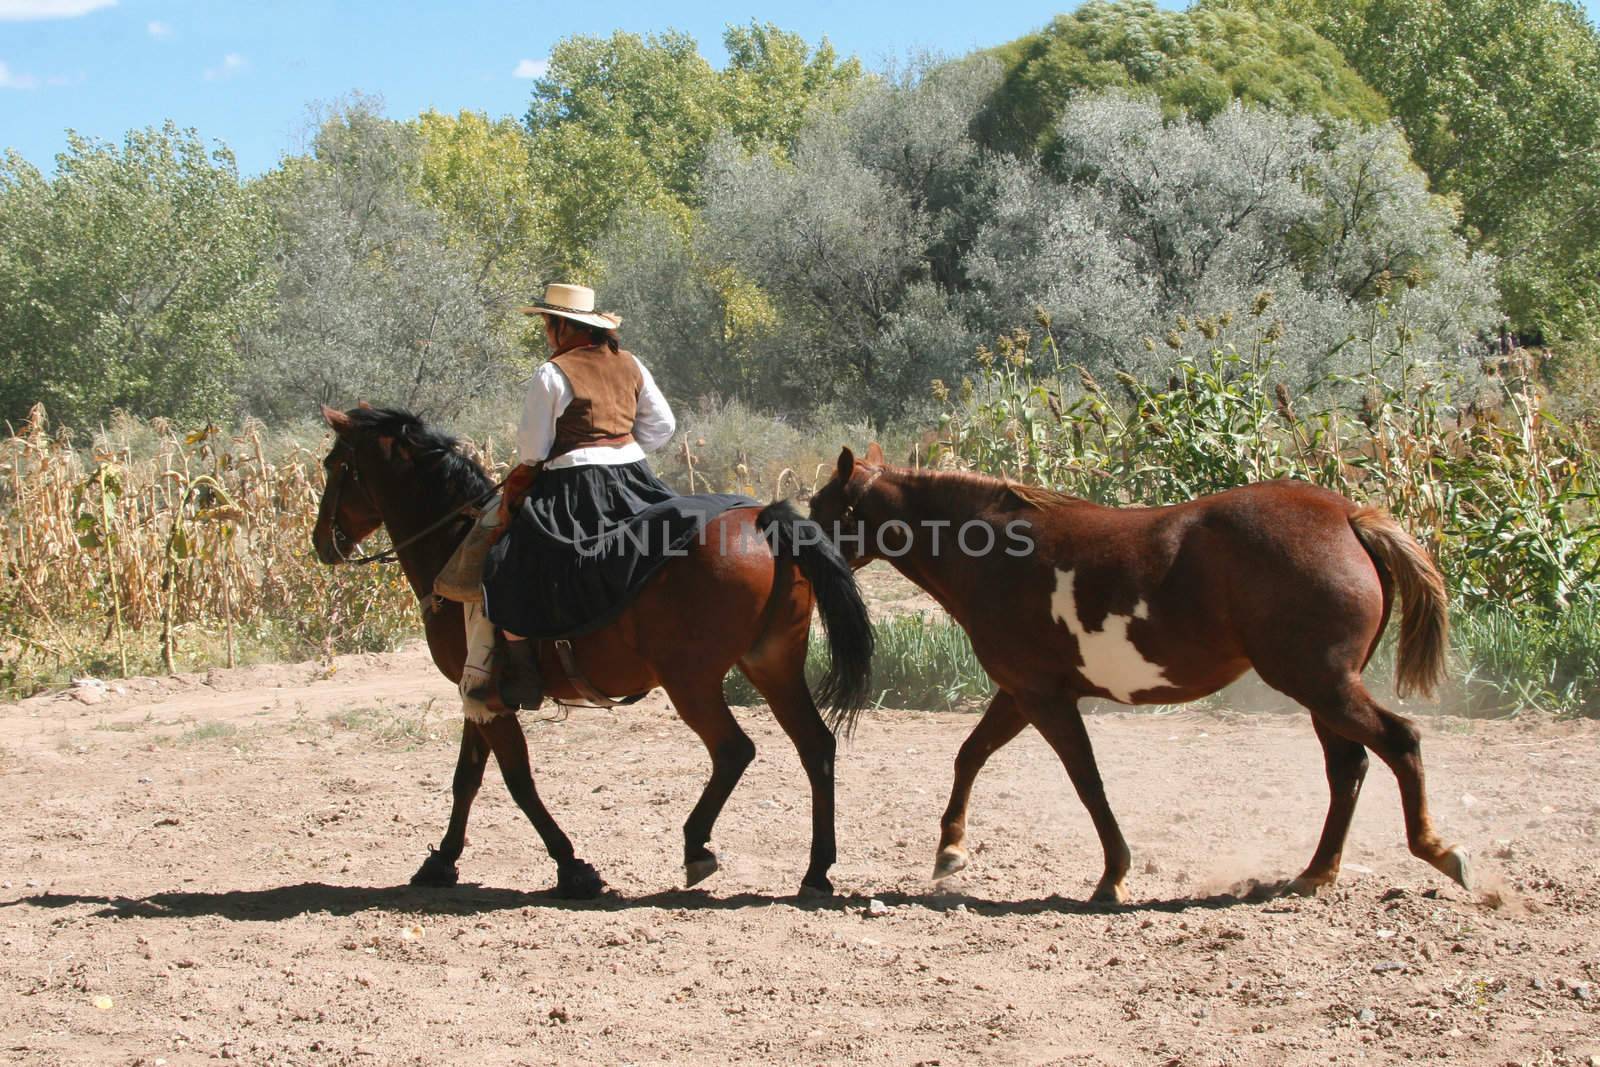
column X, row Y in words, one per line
column 548, row 395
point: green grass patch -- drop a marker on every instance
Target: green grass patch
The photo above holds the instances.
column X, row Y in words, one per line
column 205, row 732
column 923, row 662
column 126, row 727
column 1510, row 661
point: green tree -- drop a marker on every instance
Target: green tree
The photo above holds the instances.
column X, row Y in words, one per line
column 773, row 81
column 380, row 299
column 1146, row 223
column 474, row 172
column 125, row 279
column 617, row 122
column 1197, row 61
column 1501, row 102
column 857, row 242
column 698, row 321
column 626, row 122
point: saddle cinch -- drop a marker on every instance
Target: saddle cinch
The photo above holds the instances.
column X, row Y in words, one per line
column 461, row 579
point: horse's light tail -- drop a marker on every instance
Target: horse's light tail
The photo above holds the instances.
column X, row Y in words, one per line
column 846, row 685
column 1425, row 624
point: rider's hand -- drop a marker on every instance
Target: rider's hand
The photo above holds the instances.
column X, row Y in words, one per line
column 516, row 487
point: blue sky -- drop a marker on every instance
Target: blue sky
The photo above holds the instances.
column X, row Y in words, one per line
column 248, row 73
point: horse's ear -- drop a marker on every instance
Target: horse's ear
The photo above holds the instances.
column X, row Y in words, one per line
column 847, row 463
column 875, row 455
column 337, row 421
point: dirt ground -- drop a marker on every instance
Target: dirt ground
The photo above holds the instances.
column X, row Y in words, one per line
column 215, row 867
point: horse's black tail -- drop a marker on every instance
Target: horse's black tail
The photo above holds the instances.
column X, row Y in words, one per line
column 846, row 686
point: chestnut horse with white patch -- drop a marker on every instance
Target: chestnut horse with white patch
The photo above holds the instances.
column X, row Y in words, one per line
column 741, row 595
column 1065, row 599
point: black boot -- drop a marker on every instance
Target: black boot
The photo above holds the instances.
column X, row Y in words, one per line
column 520, row 684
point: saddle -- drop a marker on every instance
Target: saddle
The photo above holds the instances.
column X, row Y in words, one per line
column 591, row 696
column 461, row 579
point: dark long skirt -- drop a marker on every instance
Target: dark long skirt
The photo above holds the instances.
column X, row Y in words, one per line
column 584, row 543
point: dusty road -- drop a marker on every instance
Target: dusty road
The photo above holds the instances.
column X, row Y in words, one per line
column 194, row 870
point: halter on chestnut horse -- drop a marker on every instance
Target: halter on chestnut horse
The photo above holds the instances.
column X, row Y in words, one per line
column 731, row 600
column 1066, row 599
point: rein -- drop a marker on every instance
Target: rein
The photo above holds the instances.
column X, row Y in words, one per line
column 392, row 553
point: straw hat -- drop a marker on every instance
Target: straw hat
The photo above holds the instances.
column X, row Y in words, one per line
column 575, row 302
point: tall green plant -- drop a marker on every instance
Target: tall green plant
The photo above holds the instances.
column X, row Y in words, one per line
column 1501, row 492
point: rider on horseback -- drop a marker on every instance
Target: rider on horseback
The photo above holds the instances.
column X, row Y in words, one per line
column 589, row 416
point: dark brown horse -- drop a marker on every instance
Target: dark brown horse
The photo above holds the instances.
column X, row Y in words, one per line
column 741, row 596
column 1064, row 599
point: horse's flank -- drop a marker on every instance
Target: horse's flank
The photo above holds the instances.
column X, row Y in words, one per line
column 1403, row 566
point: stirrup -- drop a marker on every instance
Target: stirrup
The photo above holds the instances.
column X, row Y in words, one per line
column 520, row 685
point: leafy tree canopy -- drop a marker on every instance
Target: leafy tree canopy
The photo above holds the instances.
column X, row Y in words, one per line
column 1501, row 102
column 1145, row 222
column 627, row 121
column 1197, row 61
column 382, row 296
column 126, row 278
column 474, row 172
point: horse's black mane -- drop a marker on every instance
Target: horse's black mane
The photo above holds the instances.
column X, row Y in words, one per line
column 434, row 451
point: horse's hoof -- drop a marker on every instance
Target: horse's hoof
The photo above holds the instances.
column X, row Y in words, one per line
column 1306, row 887
column 577, row 880
column 1109, row 893
column 436, row 871
column 1454, row 864
column 816, row 889
column 949, row 861
column 697, row 871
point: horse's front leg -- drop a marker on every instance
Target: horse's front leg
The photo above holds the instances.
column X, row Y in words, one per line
column 1000, row 724
column 439, row 869
column 575, row 879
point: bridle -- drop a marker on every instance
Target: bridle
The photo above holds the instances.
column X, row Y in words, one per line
column 347, row 470
column 850, row 505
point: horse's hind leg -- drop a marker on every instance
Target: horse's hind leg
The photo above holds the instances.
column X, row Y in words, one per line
column 1346, row 763
column 439, row 868
column 1001, row 723
column 1352, row 714
column 575, row 879
column 700, row 704
column 1063, row 728
column 784, row 686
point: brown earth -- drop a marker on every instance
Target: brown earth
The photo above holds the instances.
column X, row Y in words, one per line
column 215, row 867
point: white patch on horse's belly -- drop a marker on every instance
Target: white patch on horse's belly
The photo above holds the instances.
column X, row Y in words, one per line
column 1110, row 660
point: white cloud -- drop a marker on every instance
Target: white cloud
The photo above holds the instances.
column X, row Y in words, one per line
column 158, row 29
column 232, row 63
column 8, row 80
column 27, row 10
column 531, row 68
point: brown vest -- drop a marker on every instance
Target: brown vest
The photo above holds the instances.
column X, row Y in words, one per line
column 605, row 398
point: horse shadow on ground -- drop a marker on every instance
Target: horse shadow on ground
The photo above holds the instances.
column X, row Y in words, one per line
column 305, row 898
